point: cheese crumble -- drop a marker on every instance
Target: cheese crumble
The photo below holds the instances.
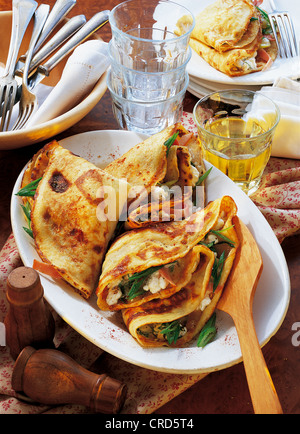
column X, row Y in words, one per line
column 155, row 283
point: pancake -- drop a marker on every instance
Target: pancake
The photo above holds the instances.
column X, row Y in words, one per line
column 155, row 167
column 148, row 163
column 176, row 320
column 234, row 37
column 37, row 165
column 71, row 231
column 157, row 261
column 224, row 24
column 144, row 164
column 173, row 198
column 236, row 62
column 145, row 322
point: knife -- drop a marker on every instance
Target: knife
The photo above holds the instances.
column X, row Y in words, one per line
column 60, row 9
column 42, row 71
column 58, row 12
column 94, row 24
column 72, row 25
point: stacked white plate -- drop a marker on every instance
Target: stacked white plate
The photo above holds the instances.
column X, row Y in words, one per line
column 205, row 79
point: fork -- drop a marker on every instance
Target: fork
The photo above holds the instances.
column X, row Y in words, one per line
column 281, row 21
column 23, row 11
column 28, row 100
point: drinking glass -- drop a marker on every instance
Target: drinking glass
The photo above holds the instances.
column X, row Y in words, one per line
column 147, row 86
column 144, row 34
column 236, row 128
column 147, row 117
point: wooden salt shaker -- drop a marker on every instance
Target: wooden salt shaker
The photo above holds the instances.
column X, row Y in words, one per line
column 51, row 377
column 29, row 320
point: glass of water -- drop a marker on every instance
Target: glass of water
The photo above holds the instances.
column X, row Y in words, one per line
column 147, row 117
column 148, row 77
column 144, row 34
column 147, row 86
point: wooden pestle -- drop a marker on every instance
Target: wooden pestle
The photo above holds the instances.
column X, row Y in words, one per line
column 29, row 320
column 51, row 377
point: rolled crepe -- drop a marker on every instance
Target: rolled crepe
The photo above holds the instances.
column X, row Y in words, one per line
column 146, row 322
column 156, row 261
column 71, row 231
column 236, row 62
column 172, row 199
column 225, row 24
column 233, row 37
column 188, row 310
column 155, row 168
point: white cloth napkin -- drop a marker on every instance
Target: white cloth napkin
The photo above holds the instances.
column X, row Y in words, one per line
column 82, row 70
column 286, row 94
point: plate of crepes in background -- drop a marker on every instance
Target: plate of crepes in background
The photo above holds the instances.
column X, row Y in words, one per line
column 138, row 278
column 233, row 43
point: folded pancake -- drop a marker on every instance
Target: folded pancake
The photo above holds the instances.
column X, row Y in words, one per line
column 155, row 261
column 236, row 62
column 169, row 159
column 173, row 198
column 234, row 37
column 163, row 206
column 37, row 166
column 225, row 24
column 147, row 321
column 175, row 321
column 70, row 222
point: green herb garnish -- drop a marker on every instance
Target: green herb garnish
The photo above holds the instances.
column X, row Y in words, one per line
column 204, row 176
column 217, row 270
column 27, row 210
column 29, row 231
column 29, row 189
column 221, row 235
column 266, row 25
column 210, row 246
column 138, row 280
column 219, row 262
column 208, row 332
column 168, row 143
column 136, row 289
column 263, row 13
column 171, row 331
column 145, row 273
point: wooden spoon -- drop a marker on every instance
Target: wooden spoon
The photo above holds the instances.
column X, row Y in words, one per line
column 237, row 301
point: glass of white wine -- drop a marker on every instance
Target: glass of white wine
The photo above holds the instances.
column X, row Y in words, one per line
column 236, row 128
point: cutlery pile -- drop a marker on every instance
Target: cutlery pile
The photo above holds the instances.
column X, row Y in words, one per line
column 23, row 74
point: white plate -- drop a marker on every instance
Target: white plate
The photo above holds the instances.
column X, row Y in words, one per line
column 197, row 67
column 202, row 88
column 107, row 331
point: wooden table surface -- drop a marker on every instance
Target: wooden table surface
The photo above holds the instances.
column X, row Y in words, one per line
column 223, row 392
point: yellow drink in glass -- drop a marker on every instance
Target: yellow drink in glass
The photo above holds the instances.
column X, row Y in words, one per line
column 235, row 132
